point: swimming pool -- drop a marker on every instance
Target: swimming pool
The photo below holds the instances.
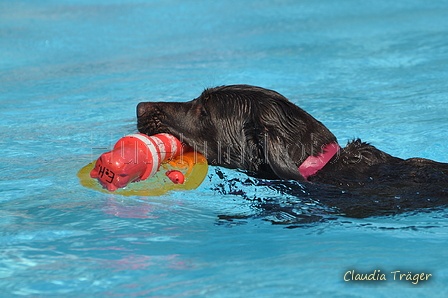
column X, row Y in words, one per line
column 72, row 73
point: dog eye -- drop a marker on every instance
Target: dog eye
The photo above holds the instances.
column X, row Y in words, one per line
column 203, row 112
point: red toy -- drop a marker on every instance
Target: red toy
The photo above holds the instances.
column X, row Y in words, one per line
column 134, row 158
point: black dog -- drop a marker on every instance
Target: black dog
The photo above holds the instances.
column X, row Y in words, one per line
column 261, row 132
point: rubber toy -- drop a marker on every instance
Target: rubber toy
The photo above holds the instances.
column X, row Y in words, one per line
column 158, row 161
column 134, row 158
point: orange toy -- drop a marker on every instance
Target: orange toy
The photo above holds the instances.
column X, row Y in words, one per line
column 138, row 157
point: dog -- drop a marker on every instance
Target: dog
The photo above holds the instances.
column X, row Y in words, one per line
column 261, row 132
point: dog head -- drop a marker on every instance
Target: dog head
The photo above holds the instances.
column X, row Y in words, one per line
column 241, row 126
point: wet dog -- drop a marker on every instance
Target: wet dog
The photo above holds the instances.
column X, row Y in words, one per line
column 262, row 132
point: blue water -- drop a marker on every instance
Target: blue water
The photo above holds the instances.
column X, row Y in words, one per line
column 71, row 74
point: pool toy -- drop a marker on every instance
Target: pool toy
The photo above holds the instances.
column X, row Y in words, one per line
column 159, row 162
column 134, row 158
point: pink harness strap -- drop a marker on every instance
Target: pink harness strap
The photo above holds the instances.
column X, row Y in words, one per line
column 314, row 163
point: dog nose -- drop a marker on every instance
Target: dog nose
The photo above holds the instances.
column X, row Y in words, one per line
column 141, row 109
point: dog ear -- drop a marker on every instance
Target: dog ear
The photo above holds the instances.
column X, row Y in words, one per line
column 278, row 158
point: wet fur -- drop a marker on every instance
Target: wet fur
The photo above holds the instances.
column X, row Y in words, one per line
column 261, row 132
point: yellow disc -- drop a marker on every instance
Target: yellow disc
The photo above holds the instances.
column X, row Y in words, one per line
column 192, row 165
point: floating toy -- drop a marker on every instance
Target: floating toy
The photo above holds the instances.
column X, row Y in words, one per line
column 158, row 161
column 134, row 158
